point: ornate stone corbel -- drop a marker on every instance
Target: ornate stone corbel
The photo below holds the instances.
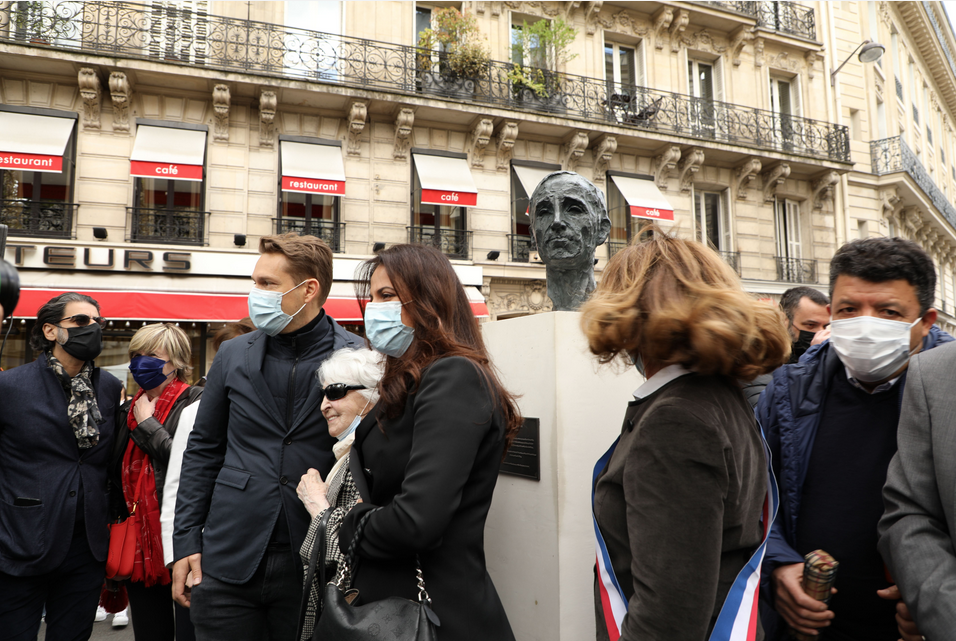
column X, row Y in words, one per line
column 811, row 59
column 572, row 150
column 746, row 174
column 120, row 95
column 740, row 37
column 689, row 167
column 822, row 188
column 220, row 104
column 506, row 144
column 758, row 52
column 884, row 11
column 496, row 9
column 358, row 112
column 89, row 82
column 911, row 219
column 603, row 153
column 591, row 11
column 774, row 178
column 664, row 164
column 480, row 7
column 403, row 132
column 890, row 199
column 677, row 29
column 267, row 116
column 480, row 137
column 662, row 21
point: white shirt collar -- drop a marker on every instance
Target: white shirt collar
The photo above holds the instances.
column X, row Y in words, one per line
column 882, row 387
column 660, row 379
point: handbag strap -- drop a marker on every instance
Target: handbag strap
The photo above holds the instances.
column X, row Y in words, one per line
column 316, row 561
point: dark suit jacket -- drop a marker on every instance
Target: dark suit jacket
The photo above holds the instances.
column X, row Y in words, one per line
column 40, row 461
column 243, row 462
column 679, row 506
column 434, row 470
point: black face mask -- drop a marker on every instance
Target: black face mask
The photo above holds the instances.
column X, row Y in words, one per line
column 801, row 345
column 83, row 343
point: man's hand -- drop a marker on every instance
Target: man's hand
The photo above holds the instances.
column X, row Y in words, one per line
column 804, row 614
column 186, row 573
column 820, row 336
column 904, row 620
column 144, row 408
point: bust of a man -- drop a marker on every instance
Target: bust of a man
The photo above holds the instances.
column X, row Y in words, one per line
column 569, row 220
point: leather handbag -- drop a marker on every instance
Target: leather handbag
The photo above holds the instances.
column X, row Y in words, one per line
column 122, row 552
column 390, row 619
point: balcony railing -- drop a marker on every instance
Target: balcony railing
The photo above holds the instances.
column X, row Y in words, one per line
column 332, row 232
column 454, row 243
column 180, row 35
column 788, row 17
column 796, row 270
column 732, row 259
column 891, row 155
column 521, row 247
column 49, row 219
column 614, row 246
column 172, row 226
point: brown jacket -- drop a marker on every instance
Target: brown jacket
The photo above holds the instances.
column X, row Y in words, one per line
column 679, row 506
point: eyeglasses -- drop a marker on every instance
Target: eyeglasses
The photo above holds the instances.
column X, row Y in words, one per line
column 336, row 391
column 82, row 320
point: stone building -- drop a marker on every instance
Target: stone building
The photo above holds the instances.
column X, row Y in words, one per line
column 181, row 132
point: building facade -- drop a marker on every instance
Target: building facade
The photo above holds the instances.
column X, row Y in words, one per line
column 176, row 134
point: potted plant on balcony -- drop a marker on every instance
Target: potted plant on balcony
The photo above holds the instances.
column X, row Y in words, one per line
column 537, row 52
column 452, row 57
column 39, row 25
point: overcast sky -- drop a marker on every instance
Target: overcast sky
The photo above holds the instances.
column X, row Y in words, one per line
column 950, row 11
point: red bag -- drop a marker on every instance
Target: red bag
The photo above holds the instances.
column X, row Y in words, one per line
column 122, row 553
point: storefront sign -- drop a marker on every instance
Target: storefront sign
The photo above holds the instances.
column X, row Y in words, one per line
column 314, row 185
column 172, row 171
column 31, row 162
column 449, row 198
column 653, row 213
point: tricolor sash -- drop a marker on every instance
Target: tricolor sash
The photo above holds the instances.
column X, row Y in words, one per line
column 737, row 620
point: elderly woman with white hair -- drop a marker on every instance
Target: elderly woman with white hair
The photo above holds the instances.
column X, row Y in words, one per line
column 350, row 379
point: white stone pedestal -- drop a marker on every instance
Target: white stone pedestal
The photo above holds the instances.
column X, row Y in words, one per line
column 539, row 539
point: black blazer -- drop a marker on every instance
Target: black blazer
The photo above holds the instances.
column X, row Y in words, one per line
column 243, row 462
column 434, row 470
column 41, row 467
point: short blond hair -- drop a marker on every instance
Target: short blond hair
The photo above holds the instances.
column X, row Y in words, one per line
column 675, row 301
column 168, row 338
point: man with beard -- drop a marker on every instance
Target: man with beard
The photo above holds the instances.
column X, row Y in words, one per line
column 806, row 311
column 569, row 220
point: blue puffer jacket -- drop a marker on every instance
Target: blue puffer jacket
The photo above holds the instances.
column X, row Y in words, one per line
column 789, row 412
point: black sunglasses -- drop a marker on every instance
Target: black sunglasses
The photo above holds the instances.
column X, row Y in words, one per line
column 335, row 391
column 82, row 320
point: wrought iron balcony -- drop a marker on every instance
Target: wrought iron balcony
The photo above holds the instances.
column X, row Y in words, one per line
column 745, row 8
column 43, row 218
column 170, row 226
column 614, row 246
column 521, row 247
column 454, row 243
column 332, row 232
column 180, row 35
column 796, row 270
column 788, row 17
column 732, row 259
column 891, row 155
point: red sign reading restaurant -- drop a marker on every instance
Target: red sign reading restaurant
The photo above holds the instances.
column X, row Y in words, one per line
column 173, row 171
column 314, row 185
column 31, row 162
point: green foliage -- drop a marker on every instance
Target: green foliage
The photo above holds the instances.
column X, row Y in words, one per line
column 461, row 48
column 538, row 51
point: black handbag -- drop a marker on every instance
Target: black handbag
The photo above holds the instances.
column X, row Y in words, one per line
column 390, row 619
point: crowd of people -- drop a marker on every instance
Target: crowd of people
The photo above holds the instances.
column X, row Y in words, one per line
column 762, row 436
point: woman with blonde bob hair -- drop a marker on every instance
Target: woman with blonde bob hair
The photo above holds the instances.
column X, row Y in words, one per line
column 160, row 356
column 678, row 498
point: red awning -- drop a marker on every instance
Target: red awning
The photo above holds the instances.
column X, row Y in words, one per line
column 167, row 152
column 311, row 168
column 644, row 198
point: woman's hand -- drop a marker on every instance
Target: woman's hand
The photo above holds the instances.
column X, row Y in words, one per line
column 144, row 408
column 312, row 490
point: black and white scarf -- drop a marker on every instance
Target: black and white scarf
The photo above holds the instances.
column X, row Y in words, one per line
column 83, row 412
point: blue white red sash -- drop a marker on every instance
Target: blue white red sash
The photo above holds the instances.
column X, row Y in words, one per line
column 737, row 620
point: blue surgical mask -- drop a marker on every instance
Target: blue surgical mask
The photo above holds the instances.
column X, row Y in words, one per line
column 385, row 330
column 265, row 310
column 354, row 424
column 148, row 371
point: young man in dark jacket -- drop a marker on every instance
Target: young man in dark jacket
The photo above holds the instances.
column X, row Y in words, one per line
column 831, row 423
column 239, row 524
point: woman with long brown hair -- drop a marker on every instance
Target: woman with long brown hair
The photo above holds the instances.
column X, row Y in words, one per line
column 426, row 460
column 678, row 499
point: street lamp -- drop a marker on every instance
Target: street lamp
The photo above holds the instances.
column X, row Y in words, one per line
column 869, row 52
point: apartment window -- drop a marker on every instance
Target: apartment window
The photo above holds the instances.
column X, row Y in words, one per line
column 712, row 223
column 897, row 66
column 423, row 21
column 36, row 171
column 784, row 104
column 705, row 85
column 623, row 68
column 527, row 52
column 788, row 223
column 442, row 189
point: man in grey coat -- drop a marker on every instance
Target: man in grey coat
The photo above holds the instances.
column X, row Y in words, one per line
column 917, row 529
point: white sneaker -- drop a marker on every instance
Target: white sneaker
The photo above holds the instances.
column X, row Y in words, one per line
column 121, row 619
column 100, row 614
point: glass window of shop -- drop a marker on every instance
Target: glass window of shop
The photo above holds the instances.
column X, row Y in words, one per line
column 443, row 226
column 168, row 210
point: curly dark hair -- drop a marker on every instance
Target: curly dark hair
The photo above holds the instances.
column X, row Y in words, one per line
column 878, row 260
column 792, row 297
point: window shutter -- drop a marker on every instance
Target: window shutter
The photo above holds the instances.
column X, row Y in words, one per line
column 640, row 73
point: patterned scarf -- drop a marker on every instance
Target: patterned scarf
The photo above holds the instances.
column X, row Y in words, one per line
column 148, row 565
column 83, row 412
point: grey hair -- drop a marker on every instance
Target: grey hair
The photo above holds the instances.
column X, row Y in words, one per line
column 354, row 367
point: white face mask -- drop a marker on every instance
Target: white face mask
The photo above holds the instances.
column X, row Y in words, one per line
column 872, row 349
